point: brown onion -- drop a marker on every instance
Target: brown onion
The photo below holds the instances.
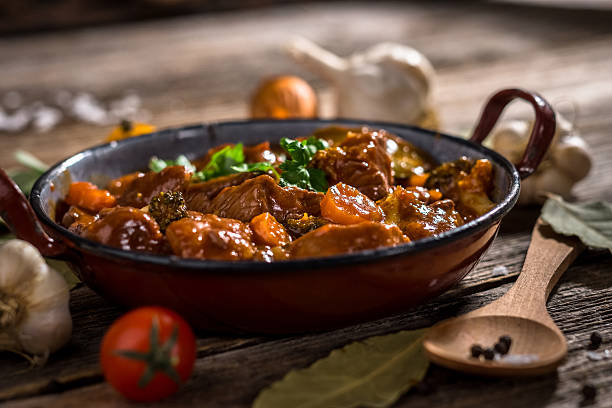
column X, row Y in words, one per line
column 284, row 97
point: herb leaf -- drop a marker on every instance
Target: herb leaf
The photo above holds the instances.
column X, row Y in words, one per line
column 264, row 167
column 371, row 373
column 226, row 161
column 221, row 163
column 25, row 178
column 591, row 222
column 295, row 171
column 230, row 160
column 157, row 165
column 64, row 269
column 318, row 179
column 30, row 161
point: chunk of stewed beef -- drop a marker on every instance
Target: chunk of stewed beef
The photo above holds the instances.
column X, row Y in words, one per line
column 126, row 228
column 211, row 237
column 334, row 239
column 141, row 190
column 262, row 194
column 198, row 196
column 361, row 161
column 410, row 211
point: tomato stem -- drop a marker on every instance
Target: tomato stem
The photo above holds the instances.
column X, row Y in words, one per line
column 158, row 358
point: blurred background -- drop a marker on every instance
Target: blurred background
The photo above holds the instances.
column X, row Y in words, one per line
column 71, row 70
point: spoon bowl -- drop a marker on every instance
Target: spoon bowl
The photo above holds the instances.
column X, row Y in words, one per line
column 536, row 348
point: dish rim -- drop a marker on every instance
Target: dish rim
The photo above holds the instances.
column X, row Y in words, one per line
column 370, row 255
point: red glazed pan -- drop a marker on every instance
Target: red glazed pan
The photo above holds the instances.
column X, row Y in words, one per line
column 281, row 297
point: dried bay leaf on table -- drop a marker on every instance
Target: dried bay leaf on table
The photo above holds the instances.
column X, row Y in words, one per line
column 65, row 270
column 25, row 178
column 370, row 373
column 591, row 222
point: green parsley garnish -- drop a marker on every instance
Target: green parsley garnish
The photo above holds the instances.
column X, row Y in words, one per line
column 295, row 171
column 158, row 165
column 229, row 160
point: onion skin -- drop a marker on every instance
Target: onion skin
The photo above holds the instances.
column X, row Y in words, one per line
column 284, row 97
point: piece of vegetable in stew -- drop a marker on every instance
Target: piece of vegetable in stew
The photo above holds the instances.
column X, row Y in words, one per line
column 334, row 192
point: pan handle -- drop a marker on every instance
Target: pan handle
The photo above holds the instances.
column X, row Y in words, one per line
column 17, row 212
column 541, row 134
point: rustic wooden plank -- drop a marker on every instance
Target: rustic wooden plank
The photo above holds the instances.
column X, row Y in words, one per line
column 245, row 371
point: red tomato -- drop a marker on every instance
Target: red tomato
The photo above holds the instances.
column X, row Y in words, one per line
column 147, row 353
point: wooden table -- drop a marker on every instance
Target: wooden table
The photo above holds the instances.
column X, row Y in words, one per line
column 200, row 68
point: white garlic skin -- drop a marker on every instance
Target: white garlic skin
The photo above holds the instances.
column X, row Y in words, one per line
column 45, row 323
column 387, row 82
column 568, row 159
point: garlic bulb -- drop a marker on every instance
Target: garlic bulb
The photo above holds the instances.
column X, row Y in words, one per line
column 387, row 82
column 34, row 314
column 568, row 160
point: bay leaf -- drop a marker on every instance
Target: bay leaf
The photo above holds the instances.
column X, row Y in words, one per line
column 370, row 373
column 65, row 270
column 591, row 222
column 25, row 178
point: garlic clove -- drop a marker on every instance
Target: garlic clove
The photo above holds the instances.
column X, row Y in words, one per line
column 554, row 182
column 35, row 315
column 412, row 64
column 46, row 330
column 509, row 139
column 19, row 262
column 320, row 60
column 573, row 157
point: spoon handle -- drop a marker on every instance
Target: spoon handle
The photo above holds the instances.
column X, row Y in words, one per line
column 548, row 256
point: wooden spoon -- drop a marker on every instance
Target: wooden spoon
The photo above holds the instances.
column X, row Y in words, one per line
column 538, row 346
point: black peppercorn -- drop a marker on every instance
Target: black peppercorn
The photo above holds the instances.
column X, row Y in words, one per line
column 501, row 348
column 596, row 340
column 476, row 350
column 489, row 354
column 507, row 340
column 589, row 392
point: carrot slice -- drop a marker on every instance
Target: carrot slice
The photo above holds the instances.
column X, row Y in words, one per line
column 268, row 231
column 435, row 195
column 418, row 180
column 86, row 195
column 344, row 204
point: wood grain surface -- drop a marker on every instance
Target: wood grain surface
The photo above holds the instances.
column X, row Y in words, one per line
column 203, row 67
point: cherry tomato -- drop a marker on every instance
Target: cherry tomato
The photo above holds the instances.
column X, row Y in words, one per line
column 147, row 353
